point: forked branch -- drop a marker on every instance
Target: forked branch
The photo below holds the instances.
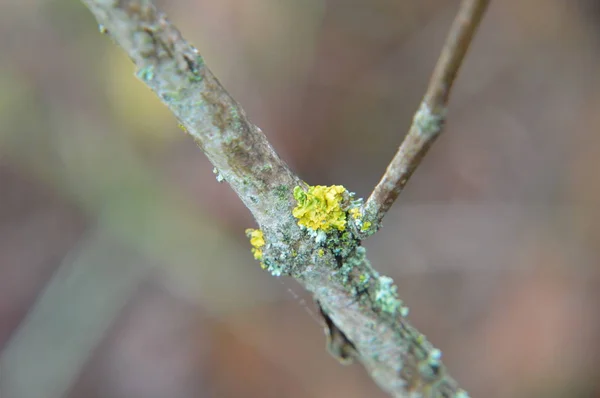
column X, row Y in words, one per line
column 429, row 120
column 360, row 307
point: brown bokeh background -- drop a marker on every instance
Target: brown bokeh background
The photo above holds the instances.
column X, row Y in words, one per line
column 124, row 269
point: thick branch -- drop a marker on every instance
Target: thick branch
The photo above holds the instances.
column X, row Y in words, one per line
column 360, row 306
column 429, row 120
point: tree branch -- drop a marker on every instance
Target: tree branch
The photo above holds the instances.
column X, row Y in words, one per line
column 429, row 120
column 174, row 70
column 363, row 316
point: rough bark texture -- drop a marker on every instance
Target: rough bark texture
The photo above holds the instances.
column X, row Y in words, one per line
column 361, row 308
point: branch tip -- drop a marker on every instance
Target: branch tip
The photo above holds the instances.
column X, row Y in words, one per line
column 428, row 121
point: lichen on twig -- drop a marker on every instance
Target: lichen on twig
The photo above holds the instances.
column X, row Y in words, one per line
column 310, row 233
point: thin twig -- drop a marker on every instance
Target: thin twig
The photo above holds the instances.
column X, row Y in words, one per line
column 429, row 120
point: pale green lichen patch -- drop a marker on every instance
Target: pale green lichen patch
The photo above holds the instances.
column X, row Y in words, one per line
column 387, row 299
column 196, row 69
column 352, row 262
column 427, row 122
column 461, row 394
column 146, row 74
column 281, row 191
column 218, row 175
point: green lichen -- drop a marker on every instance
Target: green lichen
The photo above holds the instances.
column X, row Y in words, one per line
column 434, row 357
column 274, row 268
column 146, row 74
column 387, row 299
column 363, row 280
column 351, row 262
column 234, row 118
column 218, row 175
column 461, row 394
column 172, row 96
column 427, row 122
column 195, row 68
column 282, row 191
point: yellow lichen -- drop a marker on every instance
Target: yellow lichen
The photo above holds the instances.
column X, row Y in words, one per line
column 257, row 240
column 320, row 208
column 321, row 252
column 355, row 213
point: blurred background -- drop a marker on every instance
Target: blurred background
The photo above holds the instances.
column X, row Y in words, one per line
column 124, row 269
